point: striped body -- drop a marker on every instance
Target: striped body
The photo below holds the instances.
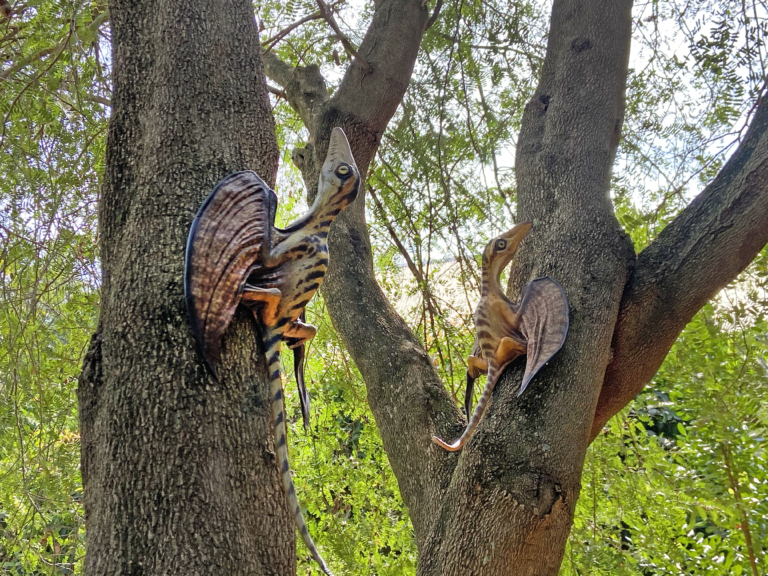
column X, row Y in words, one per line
column 505, row 330
column 235, row 256
column 281, row 286
column 493, row 318
column 306, row 259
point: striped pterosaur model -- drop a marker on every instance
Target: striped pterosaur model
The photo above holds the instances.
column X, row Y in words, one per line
column 535, row 327
column 235, row 255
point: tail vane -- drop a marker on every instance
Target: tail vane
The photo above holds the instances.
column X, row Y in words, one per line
column 281, row 446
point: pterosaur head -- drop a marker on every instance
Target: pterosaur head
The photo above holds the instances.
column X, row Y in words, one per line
column 500, row 251
column 339, row 177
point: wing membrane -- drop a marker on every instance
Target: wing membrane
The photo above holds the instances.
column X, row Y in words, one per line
column 229, row 236
column 544, row 323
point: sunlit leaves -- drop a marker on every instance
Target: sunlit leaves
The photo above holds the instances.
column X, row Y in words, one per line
column 51, row 159
column 346, row 486
column 696, row 71
column 675, row 483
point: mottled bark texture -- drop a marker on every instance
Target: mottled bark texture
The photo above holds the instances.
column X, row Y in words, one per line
column 510, row 503
column 504, row 504
column 178, row 469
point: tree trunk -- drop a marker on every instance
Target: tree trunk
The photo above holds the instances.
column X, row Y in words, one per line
column 510, row 504
column 404, row 391
column 178, row 469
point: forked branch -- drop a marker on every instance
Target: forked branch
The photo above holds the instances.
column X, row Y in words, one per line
column 303, row 86
column 697, row 255
column 328, row 15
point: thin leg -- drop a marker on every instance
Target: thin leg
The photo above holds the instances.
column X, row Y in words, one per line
column 476, row 366
column 270, row 297
column 298, row 370
column 298, row 333
column 468, row 395
column 508, row 350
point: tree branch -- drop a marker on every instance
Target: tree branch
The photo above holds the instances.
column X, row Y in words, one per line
column 270, row 43
column 303, row 86
column 429, row 299
column 279, row 92
column 328, row 15
column 96, row 98
column 435, row 15
column 693, row 258
column 408, row 400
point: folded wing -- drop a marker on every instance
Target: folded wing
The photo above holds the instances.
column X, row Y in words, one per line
column 229, row 236
column 543, row 322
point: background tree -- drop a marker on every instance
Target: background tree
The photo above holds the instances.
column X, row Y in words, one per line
column 427, row 201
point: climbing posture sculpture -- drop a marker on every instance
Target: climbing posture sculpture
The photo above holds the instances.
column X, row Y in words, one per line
column 536, row 327
column 235, row 255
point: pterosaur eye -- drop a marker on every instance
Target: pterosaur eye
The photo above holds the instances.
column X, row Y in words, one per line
column 501, row 244
column 343, row 170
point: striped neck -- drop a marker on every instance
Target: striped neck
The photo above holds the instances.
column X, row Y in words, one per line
column 490, row 280
column 317, row 219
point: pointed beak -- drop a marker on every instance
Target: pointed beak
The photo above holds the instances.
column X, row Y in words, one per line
column 515, row 236
column 338, row 150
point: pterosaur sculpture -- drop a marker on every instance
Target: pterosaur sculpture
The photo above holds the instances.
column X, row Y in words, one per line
column 235, row 255
column 536, row 327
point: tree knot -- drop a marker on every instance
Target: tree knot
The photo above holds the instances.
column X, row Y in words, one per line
column 580, row 44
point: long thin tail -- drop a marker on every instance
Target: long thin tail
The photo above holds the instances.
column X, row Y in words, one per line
column 482, row 404
column 272, row 342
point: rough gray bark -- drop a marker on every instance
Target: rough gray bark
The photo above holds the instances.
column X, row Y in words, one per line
column 178, row 471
